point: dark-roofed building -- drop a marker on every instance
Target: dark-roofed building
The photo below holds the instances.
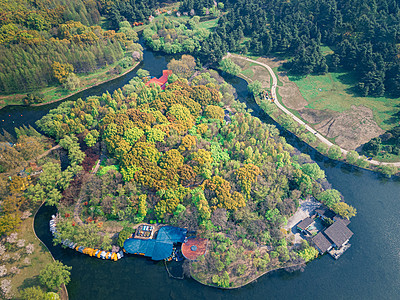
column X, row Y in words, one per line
column 338, row 233
column 325, row 213
column 159, row 248
column 321, row 242
column 345, row 221
column 303, row 225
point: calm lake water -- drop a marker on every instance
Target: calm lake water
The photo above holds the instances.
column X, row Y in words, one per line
column 370, row 269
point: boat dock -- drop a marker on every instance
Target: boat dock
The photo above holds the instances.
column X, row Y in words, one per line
column 86, row 250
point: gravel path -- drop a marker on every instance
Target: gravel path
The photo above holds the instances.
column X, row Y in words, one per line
column 298, row 120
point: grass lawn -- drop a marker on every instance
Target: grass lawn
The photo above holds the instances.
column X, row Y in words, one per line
column 335, row 91
column 209, row 25
column 248, row 73
column 28, row 275
column 276, row 71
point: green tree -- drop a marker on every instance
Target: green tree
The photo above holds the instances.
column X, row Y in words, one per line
column 142, row 209
column 352, row 156
column 33, row 293
column 123, row 235
column 334, row 152
column 142, row 73
column 155, row 135
column 228, row 66
column 133, row 135
column 255, row 88
column 52, row 296
column 72, row 82
column 308, row 254
column 313, row 170
column 330, row 197
column 126, row 28
column 344, row 210
column 389, row 170
column 184, row 67
column 54, row 275
column 323, row 148
column 91, row 138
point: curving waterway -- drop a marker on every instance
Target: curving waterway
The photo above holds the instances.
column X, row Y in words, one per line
column 370, row 269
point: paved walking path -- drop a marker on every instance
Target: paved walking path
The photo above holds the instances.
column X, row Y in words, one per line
column 298, row 120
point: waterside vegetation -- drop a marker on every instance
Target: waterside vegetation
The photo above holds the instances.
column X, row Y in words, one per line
column 170, row 156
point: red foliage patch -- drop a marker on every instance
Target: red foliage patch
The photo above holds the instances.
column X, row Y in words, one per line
column 92, row 156
column 71, row 194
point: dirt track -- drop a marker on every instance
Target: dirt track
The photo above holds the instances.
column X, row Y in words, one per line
column 298, row 120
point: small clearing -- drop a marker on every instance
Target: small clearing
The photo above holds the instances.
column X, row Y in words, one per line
column 306, row 209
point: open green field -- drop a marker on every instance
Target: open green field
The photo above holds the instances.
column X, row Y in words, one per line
column 209, row 25
column 335, row 91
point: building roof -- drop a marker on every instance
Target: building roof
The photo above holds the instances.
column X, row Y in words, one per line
column 321, row 242
column 162, row 80
column 305, row 223
column 137, row 246
column 345, row 221
column 170, row 234
column 327, row 213
column 159, row 248
column 194, row 248
column 338, row 233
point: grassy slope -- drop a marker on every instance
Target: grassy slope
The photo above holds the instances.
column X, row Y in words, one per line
column 40, row 257
column 335, row 91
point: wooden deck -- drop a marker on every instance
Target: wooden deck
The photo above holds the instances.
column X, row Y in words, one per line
column 194, row 248
column 336, row 253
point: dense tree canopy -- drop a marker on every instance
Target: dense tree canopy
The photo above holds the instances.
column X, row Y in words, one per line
column 173, row 159
column 42, row 42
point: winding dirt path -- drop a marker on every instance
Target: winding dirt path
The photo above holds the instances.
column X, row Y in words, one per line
column 298, row 120
column 47, row 152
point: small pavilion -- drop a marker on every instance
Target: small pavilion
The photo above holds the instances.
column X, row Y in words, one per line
column 160, row 81
column 194, row 248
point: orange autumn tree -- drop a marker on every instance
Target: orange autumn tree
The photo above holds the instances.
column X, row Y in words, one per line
column 61, row 71
column 188, row 142
column 247, row 175
column 223, row 197
column 181, row 117
column 214, row 112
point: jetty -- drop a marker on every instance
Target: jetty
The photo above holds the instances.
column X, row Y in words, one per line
column 109, row 255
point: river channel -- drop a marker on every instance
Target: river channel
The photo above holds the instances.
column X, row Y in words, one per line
column 370, row 269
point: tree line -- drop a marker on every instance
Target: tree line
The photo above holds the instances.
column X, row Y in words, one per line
column 34, row 36
column 363, row 35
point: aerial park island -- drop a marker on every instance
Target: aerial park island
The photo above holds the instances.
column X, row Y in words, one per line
column 181, row 171
column 175, row 167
